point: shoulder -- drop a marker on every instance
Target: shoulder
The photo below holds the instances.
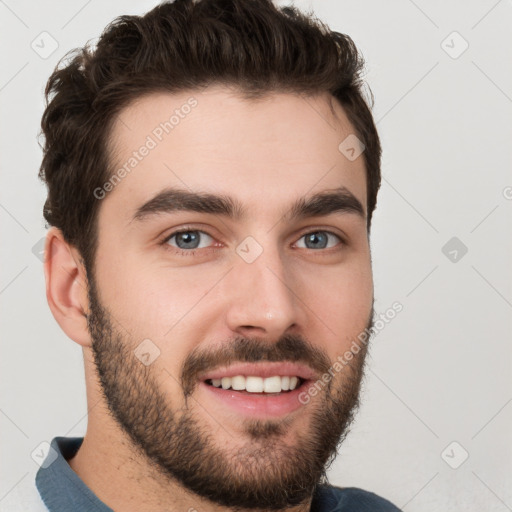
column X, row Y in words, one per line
column 23, row 497
column 350, row 499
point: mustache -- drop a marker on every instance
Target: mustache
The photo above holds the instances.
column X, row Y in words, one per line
column 289, row 347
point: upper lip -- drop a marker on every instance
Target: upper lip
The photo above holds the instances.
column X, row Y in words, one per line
column 266, row 369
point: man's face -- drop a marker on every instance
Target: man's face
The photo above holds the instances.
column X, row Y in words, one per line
column 269, row 289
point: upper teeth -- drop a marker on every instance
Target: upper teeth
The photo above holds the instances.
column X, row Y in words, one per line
column 252, row 384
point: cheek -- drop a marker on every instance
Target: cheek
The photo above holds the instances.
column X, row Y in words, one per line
column 341, row 301
column 341, row 298
column 155, row 300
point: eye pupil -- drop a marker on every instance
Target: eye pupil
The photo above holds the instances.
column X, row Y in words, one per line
column 314, row 238
column 188, row 237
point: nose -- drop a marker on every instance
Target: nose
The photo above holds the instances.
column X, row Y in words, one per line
column 262, row 302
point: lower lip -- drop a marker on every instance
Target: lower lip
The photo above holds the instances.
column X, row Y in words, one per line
column 258, row 405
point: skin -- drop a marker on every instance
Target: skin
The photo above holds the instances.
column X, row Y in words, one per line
column 287, row 149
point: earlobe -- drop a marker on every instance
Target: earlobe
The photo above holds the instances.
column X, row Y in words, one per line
column 66, row 287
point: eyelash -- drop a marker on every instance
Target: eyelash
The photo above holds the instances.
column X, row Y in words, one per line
column 191, row 252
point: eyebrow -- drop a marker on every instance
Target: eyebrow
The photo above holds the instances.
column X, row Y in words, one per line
column 170, row 200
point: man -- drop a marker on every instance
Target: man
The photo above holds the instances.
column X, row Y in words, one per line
column 212, row 169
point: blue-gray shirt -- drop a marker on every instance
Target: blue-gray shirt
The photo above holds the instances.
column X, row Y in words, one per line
column 62, row 490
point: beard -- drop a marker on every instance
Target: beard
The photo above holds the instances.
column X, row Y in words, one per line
column 263, row 472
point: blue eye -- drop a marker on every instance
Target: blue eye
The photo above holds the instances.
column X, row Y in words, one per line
column 188, row 239
column 319, row 240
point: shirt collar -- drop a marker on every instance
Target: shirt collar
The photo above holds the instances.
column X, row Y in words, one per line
column 60, row 487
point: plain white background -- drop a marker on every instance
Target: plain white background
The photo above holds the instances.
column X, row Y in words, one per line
column 438, row 385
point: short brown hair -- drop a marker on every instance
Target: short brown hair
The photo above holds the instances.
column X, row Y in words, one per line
column 184, row 45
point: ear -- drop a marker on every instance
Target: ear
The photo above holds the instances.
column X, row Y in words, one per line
column 66, row 287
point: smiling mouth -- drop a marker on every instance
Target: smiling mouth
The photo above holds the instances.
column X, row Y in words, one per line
column 254, row 385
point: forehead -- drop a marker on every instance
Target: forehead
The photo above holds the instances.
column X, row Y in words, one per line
column 264, row 152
